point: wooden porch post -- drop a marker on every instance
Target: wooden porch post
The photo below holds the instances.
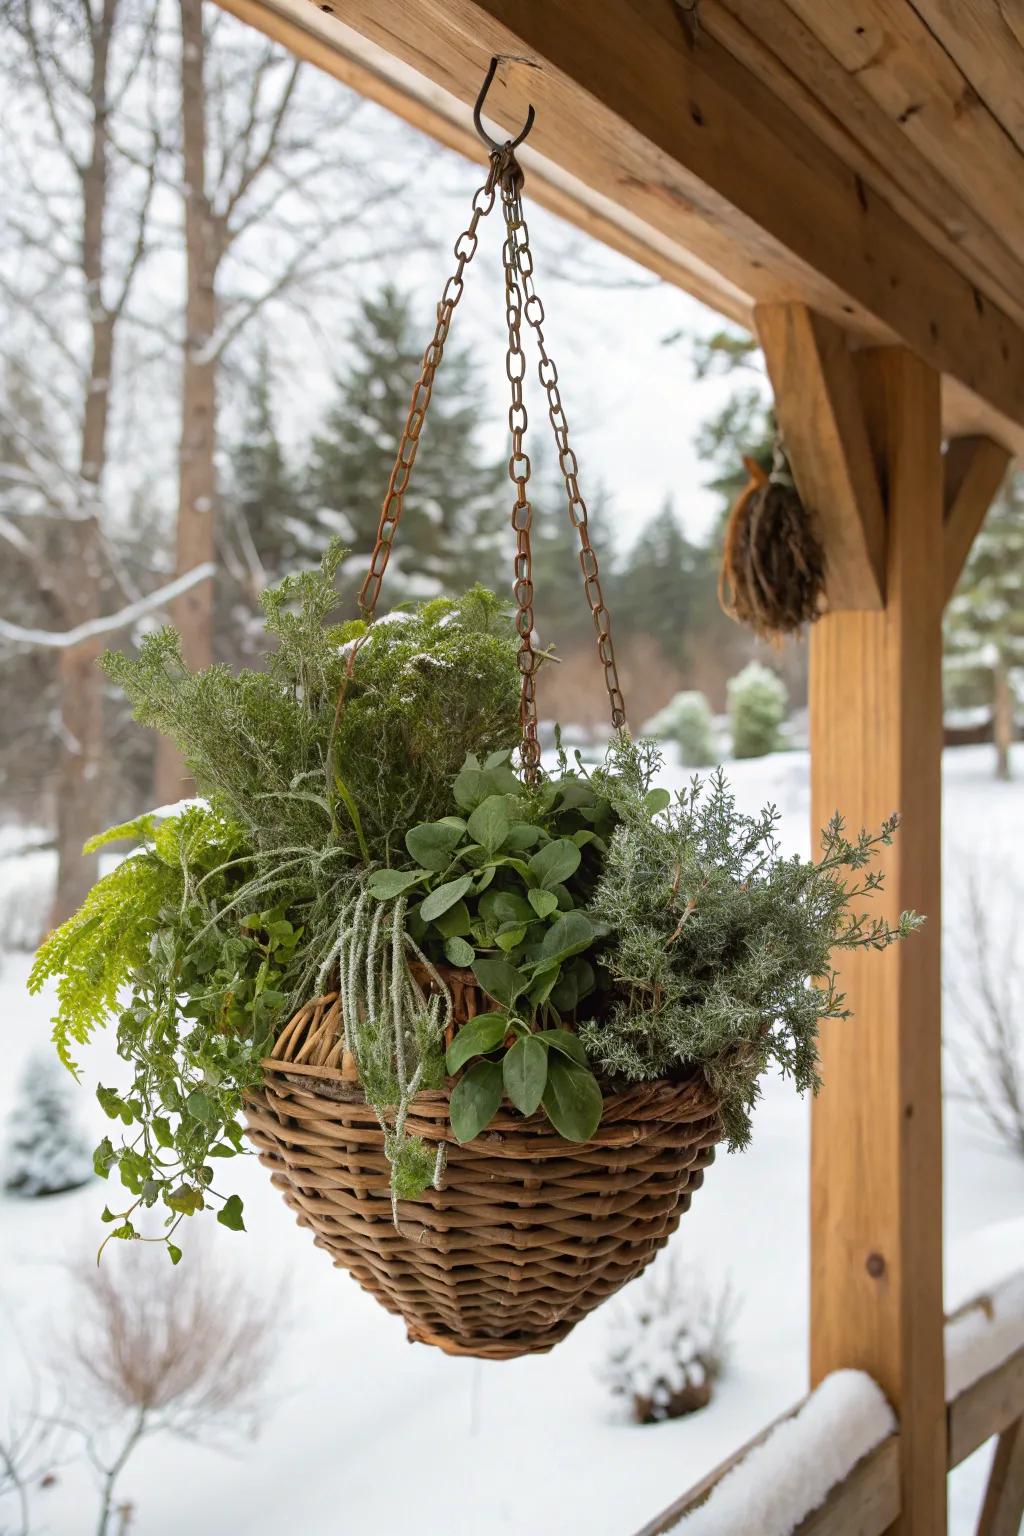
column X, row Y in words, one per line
column 876, row 736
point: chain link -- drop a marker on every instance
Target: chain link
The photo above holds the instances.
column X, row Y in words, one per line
column 521, row 302
column 517, row 260
column 391, row 511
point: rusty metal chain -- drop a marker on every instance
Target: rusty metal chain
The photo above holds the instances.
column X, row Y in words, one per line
column 391, row 511
column 521, row 301
column 517, row 258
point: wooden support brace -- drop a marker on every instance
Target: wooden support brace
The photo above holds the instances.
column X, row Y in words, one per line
column 876, row 739
column 974, row 470
column 821, row 417
column 1003, row 1509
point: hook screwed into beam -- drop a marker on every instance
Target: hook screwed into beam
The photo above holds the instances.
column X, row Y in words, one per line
column 493, row 146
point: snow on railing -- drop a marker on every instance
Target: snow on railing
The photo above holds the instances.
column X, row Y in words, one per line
column 794, row 1468
column 984, row 1333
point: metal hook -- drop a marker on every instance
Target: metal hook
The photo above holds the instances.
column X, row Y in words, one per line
column 492, row 144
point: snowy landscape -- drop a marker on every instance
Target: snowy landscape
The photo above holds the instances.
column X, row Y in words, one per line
column 358, row 1427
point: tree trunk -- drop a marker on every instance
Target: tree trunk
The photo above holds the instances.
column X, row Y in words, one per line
column 192, row 614
column 80, row 775
column 1002, row 716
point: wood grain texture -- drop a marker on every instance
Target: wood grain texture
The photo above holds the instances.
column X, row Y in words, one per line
column 986, row 1408
column 1003, row 1509
column 985, row 38
column 876, row 736
column 821, row 415
column 900, row 64
column 784, row 52
column 686, row 141
column 974, row 469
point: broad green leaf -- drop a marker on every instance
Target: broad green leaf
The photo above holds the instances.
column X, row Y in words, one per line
column 477, row 1037
column 568, row 934
column 543, row 902
column 104, row 1158
column 522, row 835
column 489, row 823
column 200, row 1106
column 555, row 862
column 453, row 924
column 475, row 1099
column 565, row 1041
column 572, row 1099
column 657, row 800
column 386, row 884
column 173, row 1253
column 186, row 1199
column 433, row 843
column 500, row 980
column 495, row 759
column 230, row 1214
column 470, row 788
column 445, row 896
column 458, row 952
column 524, row 1073
column 540, row 987
column 510, row 937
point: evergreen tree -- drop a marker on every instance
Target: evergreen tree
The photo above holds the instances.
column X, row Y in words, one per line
column 985, row 620
column 659, row 584
column 265, row 492
column 456, row 510
column 44, row 1155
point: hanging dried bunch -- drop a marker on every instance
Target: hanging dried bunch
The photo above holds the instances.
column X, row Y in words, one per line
column 772, row 576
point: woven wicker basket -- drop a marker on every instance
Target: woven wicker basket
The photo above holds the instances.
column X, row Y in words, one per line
column 527, row 1235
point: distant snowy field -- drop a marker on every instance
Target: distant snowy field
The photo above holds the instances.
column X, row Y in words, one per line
column 369, row 1433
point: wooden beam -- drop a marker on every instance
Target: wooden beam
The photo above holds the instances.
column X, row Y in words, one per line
column 876, row 1146
column 375, row 75
column 986, row 1408
column 686, row 142
column 783, row 51
column 1003, row 1508
column 909, row 75
column 821, row 416
column 985, row 38
column 974, row 470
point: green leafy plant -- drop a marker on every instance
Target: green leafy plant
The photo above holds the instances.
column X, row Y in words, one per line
column 204, row 999
column 715, row 937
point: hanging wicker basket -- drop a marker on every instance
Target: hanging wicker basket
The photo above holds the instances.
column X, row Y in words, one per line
column 527, row 1233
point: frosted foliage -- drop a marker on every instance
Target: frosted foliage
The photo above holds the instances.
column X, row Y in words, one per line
column 44, row 1153
column 757, row 709
column 686, row 720
column 668, row 1342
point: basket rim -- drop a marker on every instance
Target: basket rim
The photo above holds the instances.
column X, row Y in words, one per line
column 630, row 1114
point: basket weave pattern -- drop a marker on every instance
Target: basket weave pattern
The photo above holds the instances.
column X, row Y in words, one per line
column 528, row 1233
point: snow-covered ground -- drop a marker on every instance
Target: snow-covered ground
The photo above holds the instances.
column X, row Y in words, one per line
column 366, row 1432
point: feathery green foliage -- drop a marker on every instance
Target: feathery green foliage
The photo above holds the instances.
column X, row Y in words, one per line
column 379, row 716
column 715, row 936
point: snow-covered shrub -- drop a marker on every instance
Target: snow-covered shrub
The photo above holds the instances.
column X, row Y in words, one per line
column 668, row 1343
column 26, row 894
column 686, row 720
column 44, row 1154
column 757, row 709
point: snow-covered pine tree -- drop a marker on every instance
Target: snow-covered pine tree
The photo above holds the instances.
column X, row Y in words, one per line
column 455, row 520
column 265, row 492
column 985, row 620
column 44, row 1153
